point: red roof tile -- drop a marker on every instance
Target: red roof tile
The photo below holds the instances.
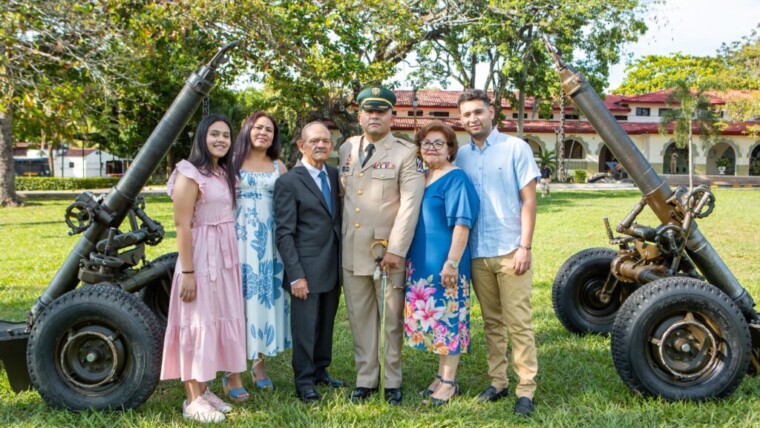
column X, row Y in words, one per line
column 428, row 98
column 661, row 97
column 571, row 127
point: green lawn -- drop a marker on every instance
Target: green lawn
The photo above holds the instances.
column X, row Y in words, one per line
column 578, row 385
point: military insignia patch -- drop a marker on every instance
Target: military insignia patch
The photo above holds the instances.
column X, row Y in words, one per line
column 375, row 91
column 383, row 165
column 348, row 159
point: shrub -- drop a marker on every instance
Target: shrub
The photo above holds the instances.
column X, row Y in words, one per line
column 579, row 175
column 58, row 183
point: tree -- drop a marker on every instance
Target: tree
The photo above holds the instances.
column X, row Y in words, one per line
column 314, row 57
column 654, row 73
column 693, row 105
column 506, row 36
column 61, row 62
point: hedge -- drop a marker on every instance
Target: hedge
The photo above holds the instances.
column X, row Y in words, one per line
column 58, row 183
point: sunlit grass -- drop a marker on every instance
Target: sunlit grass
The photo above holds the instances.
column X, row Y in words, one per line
column 578, row 385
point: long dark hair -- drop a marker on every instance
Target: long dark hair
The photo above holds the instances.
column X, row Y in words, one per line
column 243, row 143
column 201, row 157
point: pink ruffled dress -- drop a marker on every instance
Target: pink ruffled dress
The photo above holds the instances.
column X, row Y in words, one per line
column 207, row 335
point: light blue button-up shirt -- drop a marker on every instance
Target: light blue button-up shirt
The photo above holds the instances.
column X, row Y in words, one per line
column 498, row 171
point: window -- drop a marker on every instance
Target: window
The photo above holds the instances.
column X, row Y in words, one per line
column 525, row 115
column 642, row 111
column 663, row 111
column 621, row 117
column 439, row 113
column 71, row 164
column 411, row 113
column 571, row 117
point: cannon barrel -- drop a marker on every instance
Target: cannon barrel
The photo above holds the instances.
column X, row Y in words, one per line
column 120, row 199
column 654, row 189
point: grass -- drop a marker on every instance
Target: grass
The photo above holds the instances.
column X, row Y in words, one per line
column 578, row 385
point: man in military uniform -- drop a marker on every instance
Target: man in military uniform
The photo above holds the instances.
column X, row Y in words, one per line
column 382, row 183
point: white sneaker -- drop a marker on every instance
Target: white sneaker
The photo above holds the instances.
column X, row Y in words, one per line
column 216, row 402
column 202, row 411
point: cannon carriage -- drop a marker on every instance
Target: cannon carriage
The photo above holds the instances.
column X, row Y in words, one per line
column 682, row 326
column 93, row 339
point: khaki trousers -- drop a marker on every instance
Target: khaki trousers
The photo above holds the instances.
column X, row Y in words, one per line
column 505, row 304
column 363, row 303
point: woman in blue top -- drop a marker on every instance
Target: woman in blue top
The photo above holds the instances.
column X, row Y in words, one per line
column 437, row 309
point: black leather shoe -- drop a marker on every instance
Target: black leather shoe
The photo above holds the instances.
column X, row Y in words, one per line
column 393, row 396
column 524, row 406
column 361, row 393
column 309, row 396
column 330, row 381
column 491, row 394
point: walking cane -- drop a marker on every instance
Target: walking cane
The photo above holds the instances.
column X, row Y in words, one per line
column 381, row 273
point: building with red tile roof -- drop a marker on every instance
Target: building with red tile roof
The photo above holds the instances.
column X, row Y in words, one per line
column 638, row 115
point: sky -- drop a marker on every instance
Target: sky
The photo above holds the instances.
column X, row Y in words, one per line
column 693, row 27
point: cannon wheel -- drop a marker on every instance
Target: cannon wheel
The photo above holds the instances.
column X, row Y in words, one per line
column 681, row 339
column 574, row 293
column 156, row 294
column 89, row 350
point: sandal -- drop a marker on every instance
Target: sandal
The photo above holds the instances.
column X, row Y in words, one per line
column 437, row 402
column 428, row 392
column 265, row 383
column 237, row 395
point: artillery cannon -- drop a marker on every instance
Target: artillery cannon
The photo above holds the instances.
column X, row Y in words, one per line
column 682, row 326
column 93, row 339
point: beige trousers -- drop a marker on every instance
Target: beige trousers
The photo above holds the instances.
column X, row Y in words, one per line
column 505, row 304
column 363, row 303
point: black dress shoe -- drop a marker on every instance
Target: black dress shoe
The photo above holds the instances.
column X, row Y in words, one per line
column 309, row 396
column 491, row 394
column 330, row 381
column 393, row 396
column 524, row 406
column 361, row 393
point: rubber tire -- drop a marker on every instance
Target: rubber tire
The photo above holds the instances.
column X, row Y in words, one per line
column 93, row 305
column 156, row 294
column 591, row 264
column 649, row 305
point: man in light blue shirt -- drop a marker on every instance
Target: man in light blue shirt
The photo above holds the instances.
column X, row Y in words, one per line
column 504, row 174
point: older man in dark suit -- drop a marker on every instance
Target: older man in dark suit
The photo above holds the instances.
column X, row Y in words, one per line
column 308, row 225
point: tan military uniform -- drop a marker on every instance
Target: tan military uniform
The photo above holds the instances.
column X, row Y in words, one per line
column 381, row 201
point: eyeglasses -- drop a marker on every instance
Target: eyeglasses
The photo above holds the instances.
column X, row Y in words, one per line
column 427, row 144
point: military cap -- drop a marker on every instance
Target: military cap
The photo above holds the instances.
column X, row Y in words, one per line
column 376, row 98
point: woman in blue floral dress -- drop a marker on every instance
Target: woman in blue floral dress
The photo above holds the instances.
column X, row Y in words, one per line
column 437, row 307
column 266, row 305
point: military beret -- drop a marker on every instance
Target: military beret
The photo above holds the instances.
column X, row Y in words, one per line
column 376, row 98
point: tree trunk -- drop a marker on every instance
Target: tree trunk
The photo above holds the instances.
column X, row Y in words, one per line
column 8, row 196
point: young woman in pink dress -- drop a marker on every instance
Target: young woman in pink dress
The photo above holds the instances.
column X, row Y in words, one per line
column 205, row 332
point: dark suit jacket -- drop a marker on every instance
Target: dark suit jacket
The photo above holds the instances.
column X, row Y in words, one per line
column 307, row 236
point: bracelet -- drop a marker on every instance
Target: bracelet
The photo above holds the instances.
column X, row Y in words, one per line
column 188, row 271
column 524, row 247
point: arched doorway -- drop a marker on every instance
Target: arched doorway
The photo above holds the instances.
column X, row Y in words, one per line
column 721, row 151
column 535, row 147
column 575, row 156
column 605, row 156
column 681, row 164
column 754, row 161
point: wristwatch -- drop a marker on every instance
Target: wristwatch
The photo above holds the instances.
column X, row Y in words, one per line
column 453, row 263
